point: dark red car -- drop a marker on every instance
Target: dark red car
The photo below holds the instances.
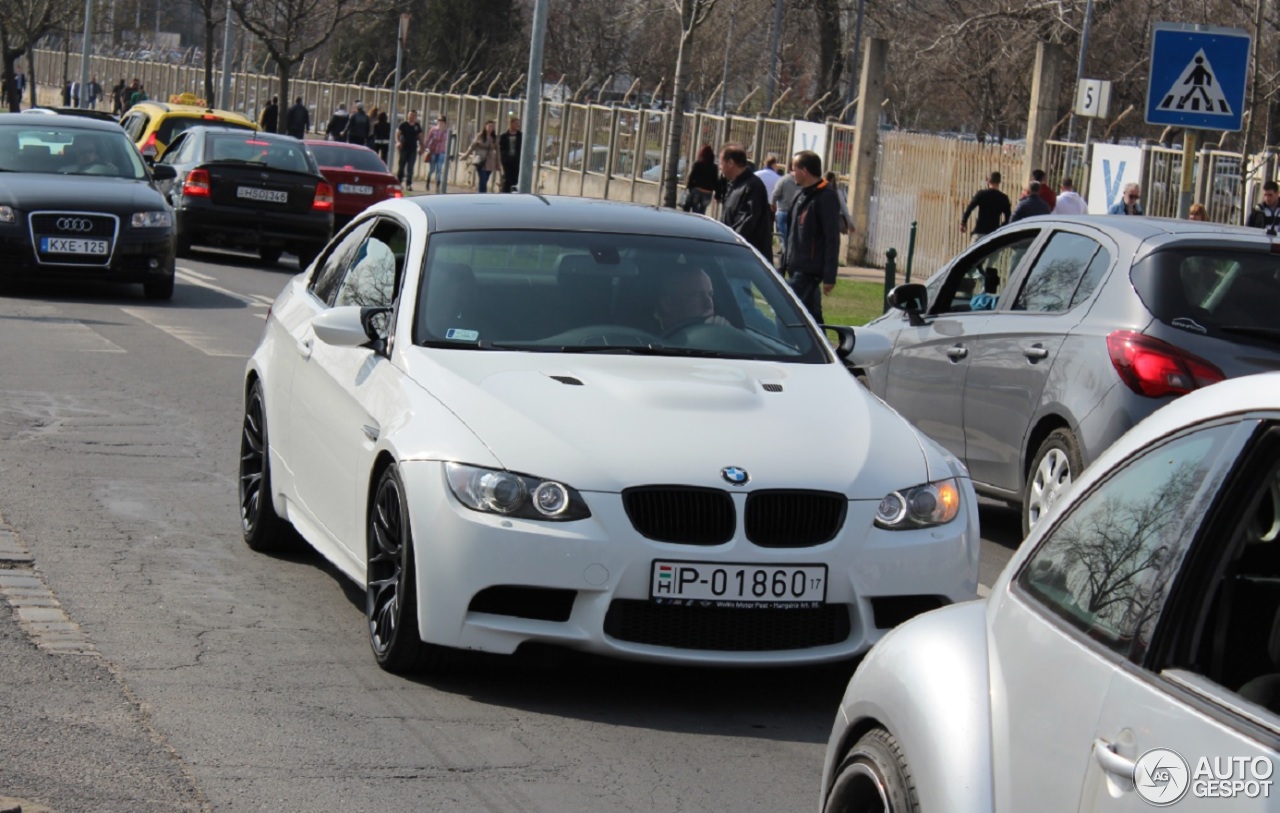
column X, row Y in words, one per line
column 359, row 177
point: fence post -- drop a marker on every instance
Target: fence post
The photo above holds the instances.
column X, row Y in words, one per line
column 911, row 251
column 890, row 272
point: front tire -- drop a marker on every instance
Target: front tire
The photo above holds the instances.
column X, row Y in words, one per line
column 262, row 528
column 873, row 778
column 1056, row 465
column 269, row 255
column 161, row 289
column 391, row 600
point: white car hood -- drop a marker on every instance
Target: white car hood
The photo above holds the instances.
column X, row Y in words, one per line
column 636, row 420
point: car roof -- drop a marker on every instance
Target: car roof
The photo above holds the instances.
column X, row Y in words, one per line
column 240, row 131
column 342, row 145
column 1149, row 228
column 191, row 109
column 467, row 212
column 63, row 122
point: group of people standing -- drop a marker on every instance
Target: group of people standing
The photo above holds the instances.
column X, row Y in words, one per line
column 804, row 205
column 297, row 119
column 490, row 153
column 373, row 130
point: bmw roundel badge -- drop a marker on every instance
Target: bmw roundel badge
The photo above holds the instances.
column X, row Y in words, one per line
column 735, row 475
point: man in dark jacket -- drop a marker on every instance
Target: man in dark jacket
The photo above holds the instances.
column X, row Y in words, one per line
column 297, row 119
column 1032, row 203
column 993, row 208
column 811, row 256
column 338, row 123
column 360, row 129
column 509, row 145
column 270, row 119
column 746, row 201
column 1266, row 215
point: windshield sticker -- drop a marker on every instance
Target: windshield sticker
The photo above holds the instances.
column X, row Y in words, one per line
column 1189, row 324
column 462, row 335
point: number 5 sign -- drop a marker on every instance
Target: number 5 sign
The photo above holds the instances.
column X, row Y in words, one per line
column 1093, row 97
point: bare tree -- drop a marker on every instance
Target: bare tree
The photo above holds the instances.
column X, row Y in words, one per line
column 22, row 24
column 693, row 13
column 214, row 13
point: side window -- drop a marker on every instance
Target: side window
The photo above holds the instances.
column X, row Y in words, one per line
column 1056, row 274
column 330, row 272
column 1092, row 276
column 1107, row 567
column 134, row 124
column 178, row 151
column 374, row 275
column 976, row 282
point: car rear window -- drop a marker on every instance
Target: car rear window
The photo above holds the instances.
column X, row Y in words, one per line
column 1213, row 291
column 348, row 158
column 173, row 126
column 287, row 154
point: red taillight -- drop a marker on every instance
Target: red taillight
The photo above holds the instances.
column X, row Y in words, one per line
column 197, row 184
column 324, row 198
column 1154, row 368
column 149, row 146
column 393, row 191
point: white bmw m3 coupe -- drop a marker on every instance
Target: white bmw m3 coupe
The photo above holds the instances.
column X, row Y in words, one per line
column 601, row 426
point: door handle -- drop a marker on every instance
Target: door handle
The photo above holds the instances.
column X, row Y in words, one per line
column 1111, row 762
column 306, row 346
column 956, row 353
column 1035, row 352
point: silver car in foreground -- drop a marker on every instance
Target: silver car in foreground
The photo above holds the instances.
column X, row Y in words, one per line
column 1128, row 656
column 1091, row 324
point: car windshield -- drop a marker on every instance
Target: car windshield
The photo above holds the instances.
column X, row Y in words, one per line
column 550, row 291
column 1214, row 291
column 55, row 149
column 283, row 154
column 347, row 158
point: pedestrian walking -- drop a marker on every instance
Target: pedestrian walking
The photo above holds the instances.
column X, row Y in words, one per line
column 118, row 98
column 509, row 145
column 297, row 119
column 382, row 136
column 769, row 174
column 701, row 184
column 1046, row 191
column 1032, row 203
column 435, row 146
column 846, row 219
column 269, row 121
column 483, row 155
column 993, row 208
column 811, row 255
column 137, row 93
column 1130, row 202
column 336, row 130
column 746, row 203
column 1198, row 212
column 1266, row 215
column 408, row 145
column 360, row 128
column 94, row 92
column 1069, row 201
column 784, row 194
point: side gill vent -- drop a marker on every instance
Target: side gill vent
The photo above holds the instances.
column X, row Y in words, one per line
column 568, row 379
column 772, row 387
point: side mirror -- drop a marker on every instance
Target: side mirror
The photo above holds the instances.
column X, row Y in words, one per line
column 353, row 326
column 911, row 298
column 860, row 347
column 163, row 172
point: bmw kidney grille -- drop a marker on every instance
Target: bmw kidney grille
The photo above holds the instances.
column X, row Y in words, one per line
column 74, row 238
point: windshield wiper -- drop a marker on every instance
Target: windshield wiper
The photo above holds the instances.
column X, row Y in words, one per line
column 1271, row 333
column 630, row 349
column 447, row 345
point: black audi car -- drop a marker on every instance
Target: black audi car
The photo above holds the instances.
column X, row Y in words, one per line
column 77, row 202
column 256, row 191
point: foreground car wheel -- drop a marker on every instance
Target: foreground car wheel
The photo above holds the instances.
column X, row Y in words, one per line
column 873, row 778
column 160, row 289
column 261, row 527
column 391, row 601
column 1056, row 464
column 269, row 255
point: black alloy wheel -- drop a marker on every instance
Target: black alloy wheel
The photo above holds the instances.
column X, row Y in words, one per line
column 258, row 520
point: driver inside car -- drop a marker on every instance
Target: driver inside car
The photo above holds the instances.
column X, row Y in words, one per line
column 687, row 297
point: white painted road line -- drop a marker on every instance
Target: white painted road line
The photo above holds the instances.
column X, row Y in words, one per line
column 200, row 280
column 172, row 322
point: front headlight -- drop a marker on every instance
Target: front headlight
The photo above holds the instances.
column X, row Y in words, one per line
column 7, row 215
column 496, row 491
column 919, row 506
column 151, row 220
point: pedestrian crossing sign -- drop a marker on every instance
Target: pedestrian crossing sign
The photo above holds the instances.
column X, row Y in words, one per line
column 1198, row 76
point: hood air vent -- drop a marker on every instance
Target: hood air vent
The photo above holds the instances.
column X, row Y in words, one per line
column 568, row 379
column 772, row 387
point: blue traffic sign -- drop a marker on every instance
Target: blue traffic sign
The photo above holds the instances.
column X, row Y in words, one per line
column 1198, row 76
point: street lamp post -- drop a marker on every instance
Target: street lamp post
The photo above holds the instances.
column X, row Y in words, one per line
column 224, row 95
column 393, row 146
column 531, row 144
column 88, row 51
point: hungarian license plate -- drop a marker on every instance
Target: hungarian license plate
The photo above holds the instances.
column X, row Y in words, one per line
column 268, row 195
column 738, row 584
column 355, row 189
column 74, row 245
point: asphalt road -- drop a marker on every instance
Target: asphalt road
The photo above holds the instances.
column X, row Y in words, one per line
column 187, row 673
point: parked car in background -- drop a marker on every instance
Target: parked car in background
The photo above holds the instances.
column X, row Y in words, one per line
column 517, row 419
column 259, row 192
column 358, row 175
column 1127, row 656
column 78, row 203
column 1098, row 322
column 153, row 126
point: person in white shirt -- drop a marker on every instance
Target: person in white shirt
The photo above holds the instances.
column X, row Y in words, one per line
column 769, row 174
column 1069, row 201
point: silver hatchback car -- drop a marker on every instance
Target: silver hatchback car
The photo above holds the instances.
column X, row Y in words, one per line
column 1127, row 657
column 1038, row 347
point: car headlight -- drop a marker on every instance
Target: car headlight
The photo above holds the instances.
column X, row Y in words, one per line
column 496, row 491
column 151, row 220
column 919, row 506
column 7, row 215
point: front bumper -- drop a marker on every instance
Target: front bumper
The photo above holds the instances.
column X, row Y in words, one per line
column 492, row 583
column 136, row 255
column 204, row 223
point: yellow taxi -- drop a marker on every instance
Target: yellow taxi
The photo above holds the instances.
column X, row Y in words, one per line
column 154, row 125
